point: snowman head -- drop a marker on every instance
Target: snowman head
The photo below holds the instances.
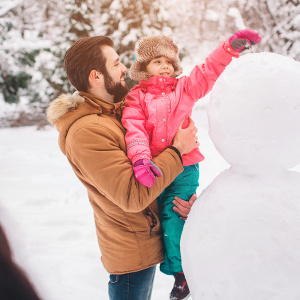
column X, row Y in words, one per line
column 254, row 113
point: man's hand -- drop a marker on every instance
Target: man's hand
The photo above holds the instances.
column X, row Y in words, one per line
column 185, row 140
column 183, row 207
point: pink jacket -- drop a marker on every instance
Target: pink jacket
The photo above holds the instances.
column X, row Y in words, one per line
column 155, row 108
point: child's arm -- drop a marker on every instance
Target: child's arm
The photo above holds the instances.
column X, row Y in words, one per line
column 137, row 140
column 203, row 77
column 134, row 121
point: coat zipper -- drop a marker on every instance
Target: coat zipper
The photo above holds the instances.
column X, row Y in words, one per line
column 149, row 213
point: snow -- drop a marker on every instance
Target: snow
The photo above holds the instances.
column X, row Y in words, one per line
column 269, row 105
column 49, row 220
column 235, row 13
column 241, row 239
column 12, row 111
column 211, row 15
column 6, row 6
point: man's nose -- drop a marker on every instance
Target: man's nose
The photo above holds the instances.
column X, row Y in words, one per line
column 124, row 69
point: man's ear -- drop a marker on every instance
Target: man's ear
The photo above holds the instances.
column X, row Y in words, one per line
column 95, row 76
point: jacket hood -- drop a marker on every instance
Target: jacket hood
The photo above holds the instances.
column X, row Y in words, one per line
column 68, row 108
column 61, row 105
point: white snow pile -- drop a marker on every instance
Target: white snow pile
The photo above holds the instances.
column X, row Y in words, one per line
column 242, row 238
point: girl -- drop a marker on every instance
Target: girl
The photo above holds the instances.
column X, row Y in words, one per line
column 154, row 110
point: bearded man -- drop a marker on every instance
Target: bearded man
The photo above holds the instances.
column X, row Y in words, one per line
column 92, row 137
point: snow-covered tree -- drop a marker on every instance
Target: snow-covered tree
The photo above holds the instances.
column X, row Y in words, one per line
column 278, row 22
column 72, row 23
column 201, row 24
column 126, row 21
column 13, row 77
column 20, row 46
column 35, row 34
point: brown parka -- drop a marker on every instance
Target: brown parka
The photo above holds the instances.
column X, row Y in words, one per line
column 126, row 213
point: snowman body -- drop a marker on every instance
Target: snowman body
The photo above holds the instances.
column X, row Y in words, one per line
column 242, row 238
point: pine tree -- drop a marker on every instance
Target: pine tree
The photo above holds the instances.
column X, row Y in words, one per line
column 201, row 24
column 14, row 55
column 21, row 45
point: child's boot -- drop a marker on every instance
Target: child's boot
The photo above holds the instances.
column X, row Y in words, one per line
column 180, row 290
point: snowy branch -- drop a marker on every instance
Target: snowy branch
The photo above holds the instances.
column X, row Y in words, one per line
column 7, row 6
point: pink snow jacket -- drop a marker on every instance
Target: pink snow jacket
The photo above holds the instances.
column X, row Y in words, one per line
column 155, row 108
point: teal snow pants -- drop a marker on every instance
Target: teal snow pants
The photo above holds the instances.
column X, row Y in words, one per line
column 184, row 186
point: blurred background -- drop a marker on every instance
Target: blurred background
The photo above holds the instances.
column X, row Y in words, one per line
column 35, row 34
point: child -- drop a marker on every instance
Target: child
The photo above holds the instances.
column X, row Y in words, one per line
column 154, row 110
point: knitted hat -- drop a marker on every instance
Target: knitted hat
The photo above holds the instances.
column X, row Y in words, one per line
column 151, row 47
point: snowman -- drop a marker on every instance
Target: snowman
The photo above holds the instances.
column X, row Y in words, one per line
column 242, row 238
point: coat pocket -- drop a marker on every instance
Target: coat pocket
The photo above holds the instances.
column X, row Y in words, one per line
column 151, row 219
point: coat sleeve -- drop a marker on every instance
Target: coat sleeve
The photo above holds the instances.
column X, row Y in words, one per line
column 134, row 121
column 103, row 167
column 202, row 78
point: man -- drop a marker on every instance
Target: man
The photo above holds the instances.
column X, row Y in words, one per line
column 92, row 137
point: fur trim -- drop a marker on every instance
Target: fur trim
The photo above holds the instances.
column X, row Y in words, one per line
column 151, row 47
column 62, row 105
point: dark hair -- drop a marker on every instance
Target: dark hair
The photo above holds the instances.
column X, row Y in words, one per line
column 14, row 284
column 84, row 56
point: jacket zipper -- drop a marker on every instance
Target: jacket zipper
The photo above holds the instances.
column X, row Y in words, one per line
column 149, row 213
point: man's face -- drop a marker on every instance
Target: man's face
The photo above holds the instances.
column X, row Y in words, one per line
column 115, row 73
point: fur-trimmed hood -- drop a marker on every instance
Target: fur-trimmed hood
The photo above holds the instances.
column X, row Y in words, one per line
column 68, row 108
column 61, row 105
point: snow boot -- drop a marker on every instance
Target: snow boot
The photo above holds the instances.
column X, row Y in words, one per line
column 180, row 290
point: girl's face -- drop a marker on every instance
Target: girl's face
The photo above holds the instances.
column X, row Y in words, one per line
column 160, row 66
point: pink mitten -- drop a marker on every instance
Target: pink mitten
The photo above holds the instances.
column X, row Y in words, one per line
column 243, row 39
column 145, row 171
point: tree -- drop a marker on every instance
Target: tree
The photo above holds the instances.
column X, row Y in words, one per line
column 72, row 22
column 20, row 46
column 13, row 78
column 278, row 22
column 201, row 24
column 126, row 21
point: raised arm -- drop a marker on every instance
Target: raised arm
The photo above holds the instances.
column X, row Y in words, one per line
column 203, row 77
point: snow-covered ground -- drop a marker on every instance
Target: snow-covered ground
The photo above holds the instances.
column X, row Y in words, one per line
column 46, row 213
column 49, row 221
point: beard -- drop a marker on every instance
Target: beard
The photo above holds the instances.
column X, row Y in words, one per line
column 117, row 89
